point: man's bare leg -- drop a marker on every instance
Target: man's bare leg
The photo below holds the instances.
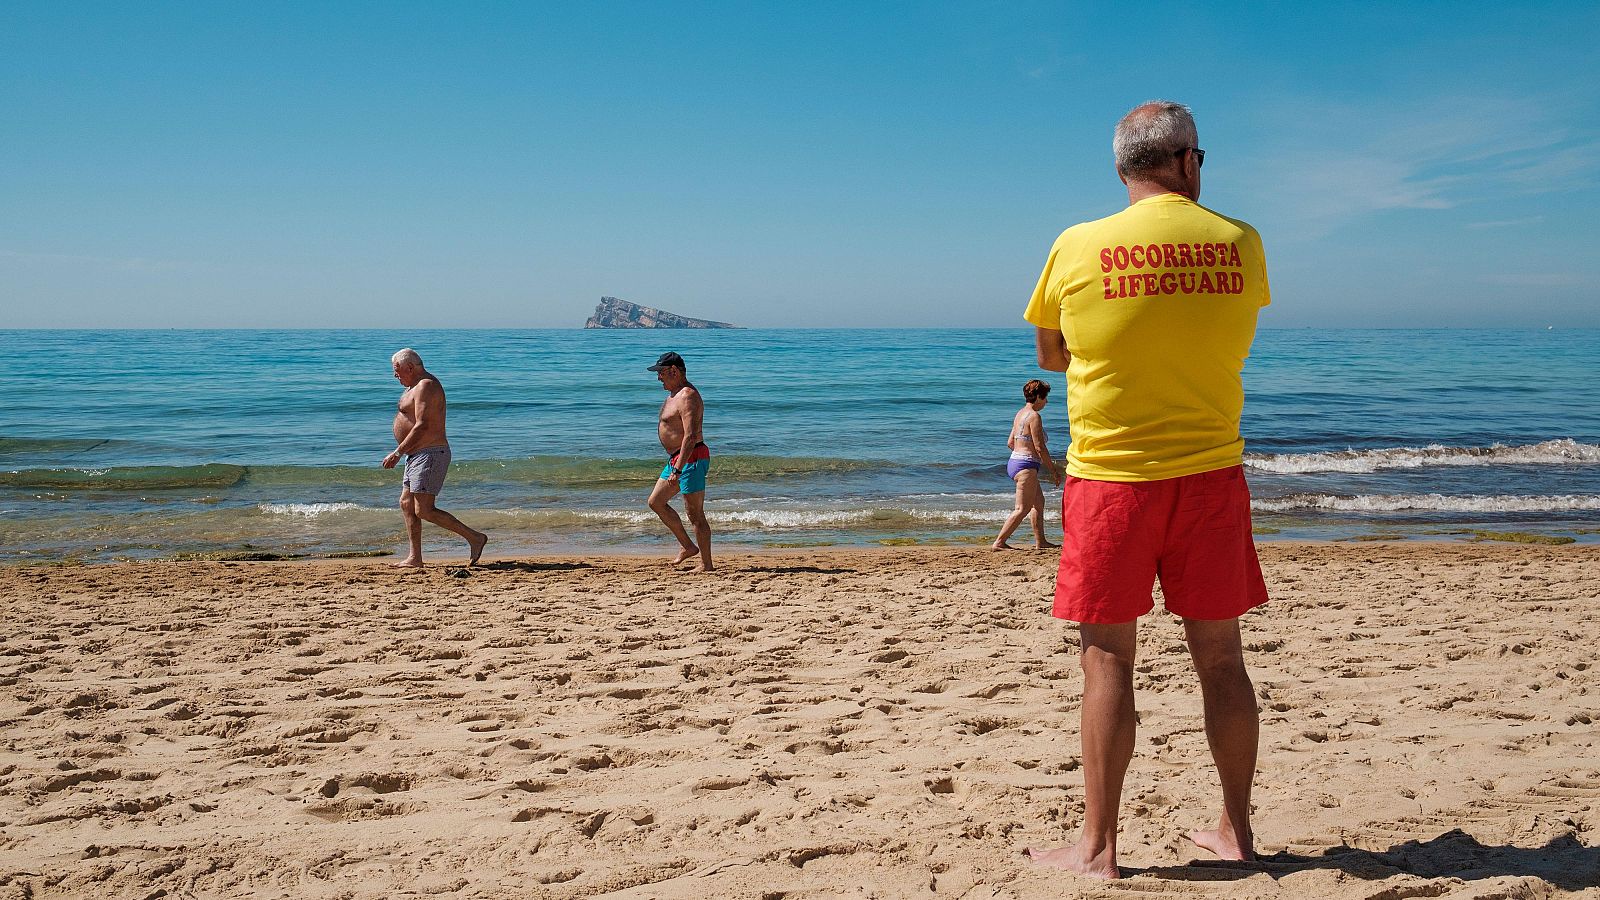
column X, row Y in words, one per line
column 408, row 508
column 695, row 505
column 1107, row 735
column 1232, row 730
column 664, row 491
column 426, row 510
column 1018, row 512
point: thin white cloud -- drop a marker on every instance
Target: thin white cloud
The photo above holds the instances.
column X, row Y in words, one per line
column 1331, row 166
column 1507, row 223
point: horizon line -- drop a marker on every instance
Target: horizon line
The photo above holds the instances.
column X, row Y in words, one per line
column 480, row 328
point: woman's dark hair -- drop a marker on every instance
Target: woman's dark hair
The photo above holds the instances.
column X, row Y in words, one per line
column 1035, row 389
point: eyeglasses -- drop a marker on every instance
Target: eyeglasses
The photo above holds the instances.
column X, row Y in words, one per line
column 1199, row 156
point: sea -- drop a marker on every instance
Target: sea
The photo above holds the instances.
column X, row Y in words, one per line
column 174, row 444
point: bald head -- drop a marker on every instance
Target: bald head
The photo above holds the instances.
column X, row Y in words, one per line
column 1156, row 150
column 1150, row 137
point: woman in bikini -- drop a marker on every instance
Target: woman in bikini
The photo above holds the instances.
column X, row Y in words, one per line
column 1029, row 454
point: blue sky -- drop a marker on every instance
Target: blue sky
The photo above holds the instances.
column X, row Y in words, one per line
column 774, row 164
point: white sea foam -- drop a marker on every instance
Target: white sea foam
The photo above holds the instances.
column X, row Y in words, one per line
column 1563, row 451
column 1003, row 497
column 998, row 514
column 306, row 510
column 620, row 516
column 848, row 517
column 1428, row 503
column 887, row 516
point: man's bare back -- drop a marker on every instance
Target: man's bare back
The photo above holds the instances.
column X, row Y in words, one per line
column 427, row 391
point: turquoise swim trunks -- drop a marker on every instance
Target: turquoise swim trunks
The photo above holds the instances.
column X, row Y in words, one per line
column 693, row 479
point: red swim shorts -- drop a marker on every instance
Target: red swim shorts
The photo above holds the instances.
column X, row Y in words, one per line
column 1193, row 532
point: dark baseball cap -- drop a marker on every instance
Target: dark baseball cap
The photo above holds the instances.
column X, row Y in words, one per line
column 667, row 359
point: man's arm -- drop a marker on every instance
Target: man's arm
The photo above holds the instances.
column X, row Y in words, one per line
column 1052, row 346
column 689, row 417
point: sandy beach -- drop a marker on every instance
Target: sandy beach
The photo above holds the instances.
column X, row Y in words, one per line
column 886, row 723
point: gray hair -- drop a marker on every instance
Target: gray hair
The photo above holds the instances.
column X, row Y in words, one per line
column 406, row 358
column 1150, row 135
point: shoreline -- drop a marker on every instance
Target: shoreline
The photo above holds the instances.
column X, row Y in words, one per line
column 1265, row 546
column 444, row 552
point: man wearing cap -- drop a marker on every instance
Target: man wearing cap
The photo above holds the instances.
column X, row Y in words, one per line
column 1151, row 313
column 689, row 459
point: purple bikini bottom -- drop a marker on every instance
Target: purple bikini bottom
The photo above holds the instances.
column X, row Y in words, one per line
column 1017, row 464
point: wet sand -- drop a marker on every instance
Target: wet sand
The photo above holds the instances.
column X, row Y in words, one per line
column 888, row 723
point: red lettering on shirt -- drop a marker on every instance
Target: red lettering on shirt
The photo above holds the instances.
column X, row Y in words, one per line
column 1165, row 258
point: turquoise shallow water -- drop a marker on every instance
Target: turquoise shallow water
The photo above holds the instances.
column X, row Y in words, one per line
column 145, row 443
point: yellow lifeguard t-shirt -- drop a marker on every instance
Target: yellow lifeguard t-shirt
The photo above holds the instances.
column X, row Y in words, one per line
column 1158, row 307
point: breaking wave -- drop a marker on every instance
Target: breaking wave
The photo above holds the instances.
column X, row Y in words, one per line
column 309, row 510
column 1370, row 503
column 1560, row 452
column 776, row 517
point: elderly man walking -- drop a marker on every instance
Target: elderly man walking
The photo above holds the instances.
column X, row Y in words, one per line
column 419, row 436
column 1151, row 313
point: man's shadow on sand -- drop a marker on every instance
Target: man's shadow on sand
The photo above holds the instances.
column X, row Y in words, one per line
column 511, row 565
column 1563, row 862
column 790, row 570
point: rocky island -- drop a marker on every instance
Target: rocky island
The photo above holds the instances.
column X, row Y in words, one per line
column 614, row 313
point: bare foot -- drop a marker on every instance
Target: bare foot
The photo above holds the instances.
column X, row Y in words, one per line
column 409, row 562
column 1077, row 858
column 704, row 568
column 1223, row 843
column 685, row 553
column 1045, row 545
column 1001, row 545
column 477, row 547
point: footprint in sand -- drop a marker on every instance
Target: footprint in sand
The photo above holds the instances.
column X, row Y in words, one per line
column 949, row 790
column 370, row 782
column 714, row 784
